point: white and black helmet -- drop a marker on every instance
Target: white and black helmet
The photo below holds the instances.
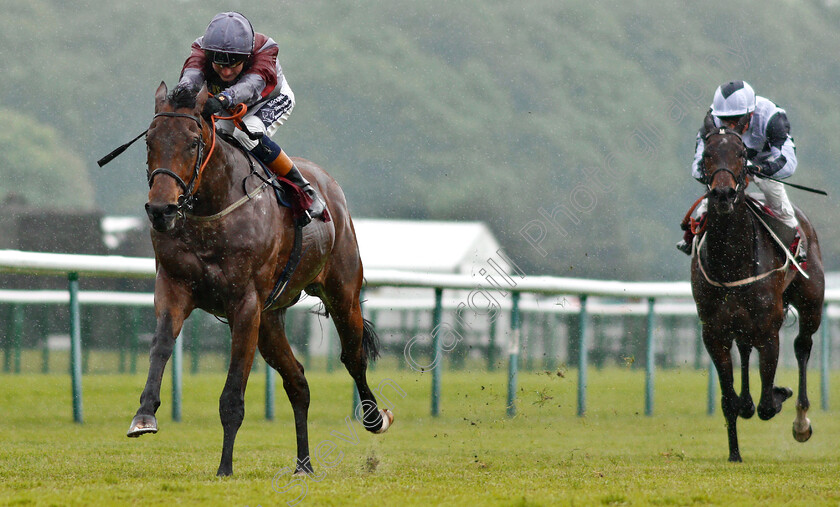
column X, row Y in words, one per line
column 229, row 38
column 735, row 98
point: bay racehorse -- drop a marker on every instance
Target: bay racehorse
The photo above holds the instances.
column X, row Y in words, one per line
column 743, row 282
column 221, row 242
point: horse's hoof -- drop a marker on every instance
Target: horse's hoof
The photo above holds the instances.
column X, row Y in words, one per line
column 803, row 436
column 142, row 424
column 735, row 458
column 782, row 392
column 387, row 420
column 747, row 408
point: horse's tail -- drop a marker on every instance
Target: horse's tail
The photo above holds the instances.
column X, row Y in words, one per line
column 370, row 340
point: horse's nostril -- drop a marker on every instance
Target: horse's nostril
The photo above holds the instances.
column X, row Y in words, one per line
column 158, row 211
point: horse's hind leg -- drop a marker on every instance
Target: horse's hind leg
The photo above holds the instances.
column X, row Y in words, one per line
column 729, row 402
column 747, row 406
column 358, row 341
column 810, row 317
column 274, row 347
column 772, row 396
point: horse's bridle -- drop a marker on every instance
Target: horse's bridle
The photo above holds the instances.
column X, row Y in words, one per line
column 187, row 199
column 741, row 179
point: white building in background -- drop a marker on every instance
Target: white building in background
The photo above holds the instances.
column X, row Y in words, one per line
column 427, row 246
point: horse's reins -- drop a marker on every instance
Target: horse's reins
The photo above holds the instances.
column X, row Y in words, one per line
column 186, row 200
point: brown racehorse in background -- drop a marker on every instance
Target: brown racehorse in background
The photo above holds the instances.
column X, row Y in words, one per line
column 743, row 285
column 222, row 252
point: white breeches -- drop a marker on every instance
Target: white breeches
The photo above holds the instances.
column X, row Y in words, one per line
column 263, row 117
column 775, row 197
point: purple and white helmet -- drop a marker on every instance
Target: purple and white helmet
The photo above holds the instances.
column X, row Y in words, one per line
column 229, row 38
column 735, row 98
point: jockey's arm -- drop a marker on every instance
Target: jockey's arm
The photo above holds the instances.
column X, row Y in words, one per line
column 780, row 161
column 696, row 166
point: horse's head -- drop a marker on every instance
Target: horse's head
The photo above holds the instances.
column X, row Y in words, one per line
column 175, row 145
column 724, row 165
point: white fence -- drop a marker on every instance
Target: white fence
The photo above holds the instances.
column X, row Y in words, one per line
column 470, row 290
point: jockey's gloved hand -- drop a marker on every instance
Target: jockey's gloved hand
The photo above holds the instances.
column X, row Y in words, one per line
column 216, row 104
column 758, row 169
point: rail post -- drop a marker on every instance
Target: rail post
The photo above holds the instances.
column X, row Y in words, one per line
column 270, row 381
column 437, row 352
column 195, row 343
column 491, row 346
column 650, row 358
column 582, row 359
column 17, row 333
column 75, row 347
column 513, row 354
column 177, row 370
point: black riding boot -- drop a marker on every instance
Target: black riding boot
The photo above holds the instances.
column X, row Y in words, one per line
column 279, row 163
column 318, row 206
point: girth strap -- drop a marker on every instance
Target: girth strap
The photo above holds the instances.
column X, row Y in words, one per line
column 289, row 269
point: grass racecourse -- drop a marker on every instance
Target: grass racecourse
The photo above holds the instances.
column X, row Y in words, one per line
column 472, row 454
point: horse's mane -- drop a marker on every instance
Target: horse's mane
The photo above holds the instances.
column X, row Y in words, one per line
column 183, row 96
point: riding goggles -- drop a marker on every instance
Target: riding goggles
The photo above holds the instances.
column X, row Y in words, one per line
column 226, row 59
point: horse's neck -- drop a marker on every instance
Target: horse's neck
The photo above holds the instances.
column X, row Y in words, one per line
column 218, row 181
column 730, row 245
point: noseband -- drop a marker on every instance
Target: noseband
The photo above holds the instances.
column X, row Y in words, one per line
column 187, row 199
column 740, row 179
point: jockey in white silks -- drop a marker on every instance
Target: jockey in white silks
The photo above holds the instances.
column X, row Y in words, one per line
column 770, row 150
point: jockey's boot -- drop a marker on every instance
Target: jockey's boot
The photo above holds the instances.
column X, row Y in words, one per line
column 280, row 164
column 318, row 206
column 801, row 241
column 684, row 245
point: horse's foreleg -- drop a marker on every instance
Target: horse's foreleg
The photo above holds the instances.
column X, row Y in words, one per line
column 772, row 396
column 802, row 425
column 747, row 406
column 729, row 402
column 170, row 319
column 244, row 326
column 275, row 348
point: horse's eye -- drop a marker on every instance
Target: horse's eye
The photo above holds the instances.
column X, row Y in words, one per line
column 194, row 145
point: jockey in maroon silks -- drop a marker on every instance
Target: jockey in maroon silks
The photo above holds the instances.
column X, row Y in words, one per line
column 239, row 66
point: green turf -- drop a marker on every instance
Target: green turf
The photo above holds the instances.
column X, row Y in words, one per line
column 471, row 455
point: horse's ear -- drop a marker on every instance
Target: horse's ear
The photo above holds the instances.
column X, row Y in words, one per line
column 708, row 124
column 160, row 96
column 201, row 98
